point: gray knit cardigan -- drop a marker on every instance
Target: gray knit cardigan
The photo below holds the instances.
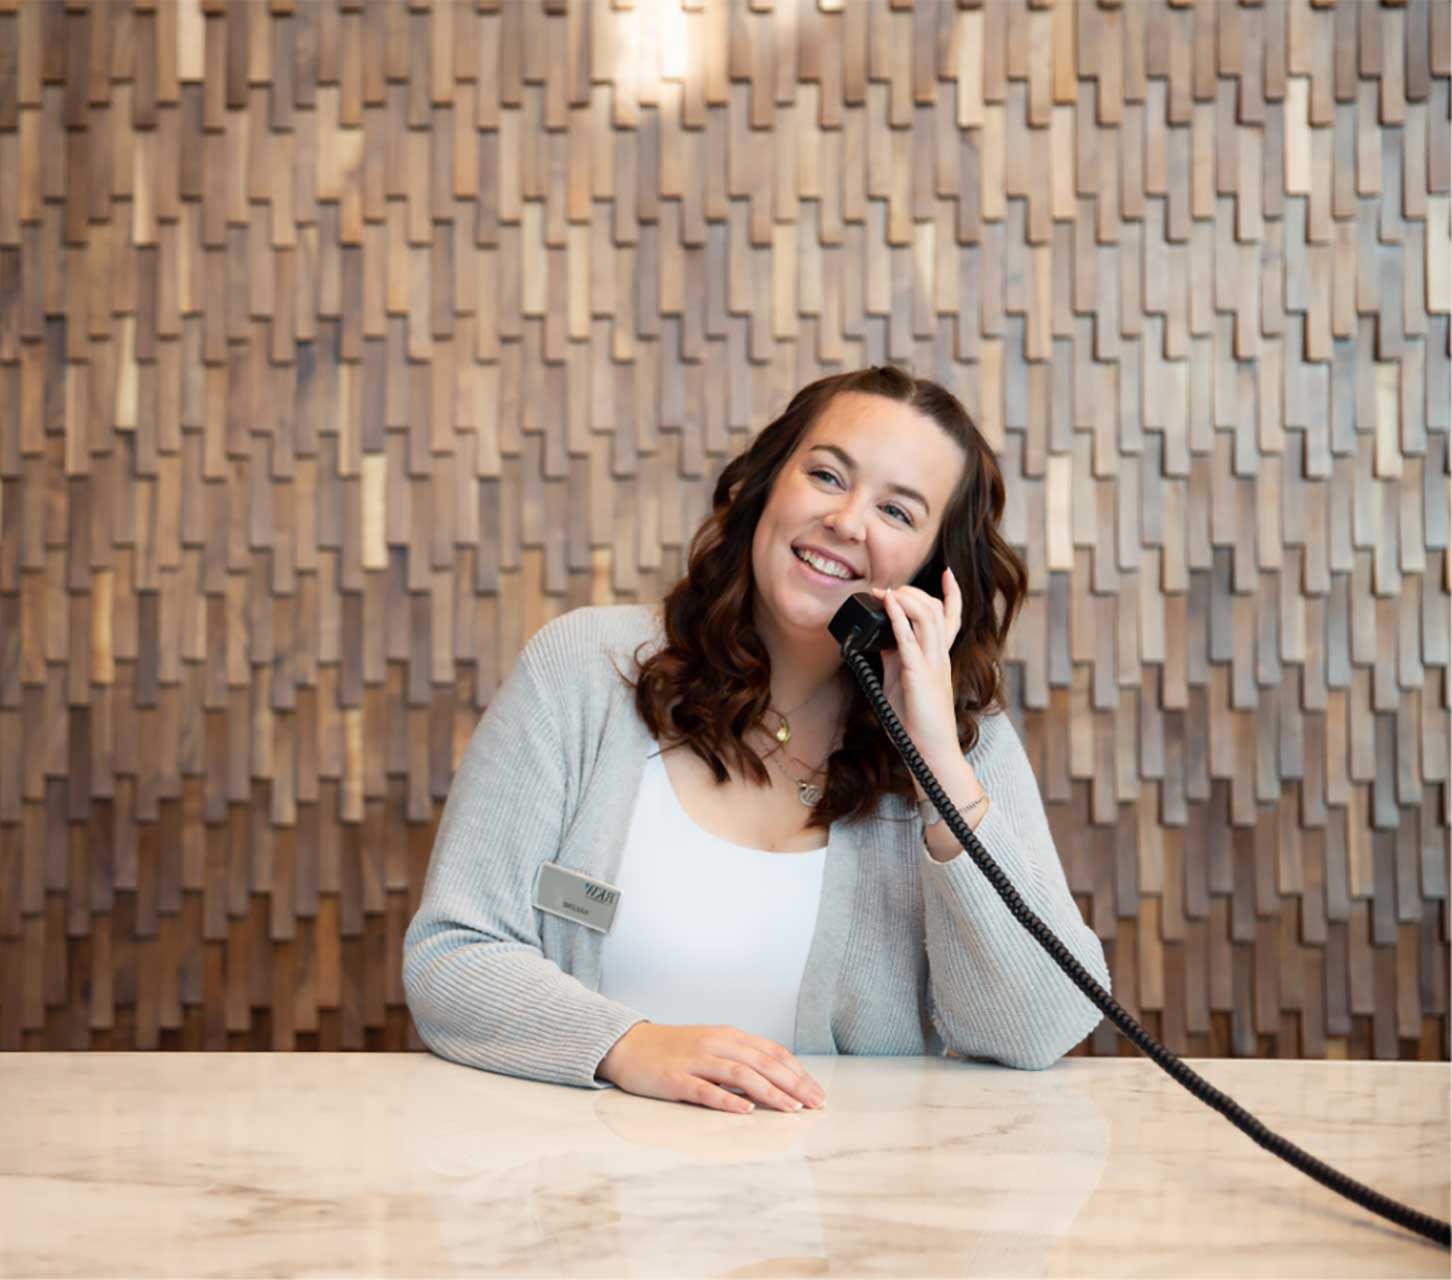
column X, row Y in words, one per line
column 909, row 955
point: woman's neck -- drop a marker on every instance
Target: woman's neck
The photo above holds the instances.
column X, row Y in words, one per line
column 808, row 699
column 806, row 671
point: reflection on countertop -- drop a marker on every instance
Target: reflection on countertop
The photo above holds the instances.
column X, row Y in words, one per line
column 393, row 1164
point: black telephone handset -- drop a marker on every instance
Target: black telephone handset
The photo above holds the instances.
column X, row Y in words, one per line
column 861, row 626
column 863, row 614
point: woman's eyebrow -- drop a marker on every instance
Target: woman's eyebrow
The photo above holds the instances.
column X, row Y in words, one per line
column 850, row 463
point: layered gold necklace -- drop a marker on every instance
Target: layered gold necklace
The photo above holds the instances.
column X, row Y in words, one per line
column 808, row 791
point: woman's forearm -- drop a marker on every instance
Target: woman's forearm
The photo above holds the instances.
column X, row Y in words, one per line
column 963, row 788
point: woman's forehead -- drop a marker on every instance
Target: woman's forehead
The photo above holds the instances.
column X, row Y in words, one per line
column 876, row 430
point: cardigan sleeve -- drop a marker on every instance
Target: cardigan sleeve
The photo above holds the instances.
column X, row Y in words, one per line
column 478, row 984
column 993, row 991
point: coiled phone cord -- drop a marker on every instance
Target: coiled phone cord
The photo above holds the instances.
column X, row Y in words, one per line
column 1402, row 1215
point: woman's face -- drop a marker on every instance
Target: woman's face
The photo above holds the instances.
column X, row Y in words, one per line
column 866, row 487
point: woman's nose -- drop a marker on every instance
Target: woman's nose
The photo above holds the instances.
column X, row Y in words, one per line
column 846, row 522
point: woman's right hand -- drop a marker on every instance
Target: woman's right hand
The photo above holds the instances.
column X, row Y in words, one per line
column 689, row 1064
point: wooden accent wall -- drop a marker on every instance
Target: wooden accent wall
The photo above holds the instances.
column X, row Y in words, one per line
column 343, row 345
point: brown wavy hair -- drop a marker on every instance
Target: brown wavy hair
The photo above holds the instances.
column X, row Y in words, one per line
column 711, row 681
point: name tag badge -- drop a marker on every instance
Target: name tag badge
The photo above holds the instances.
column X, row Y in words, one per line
column 573, row 896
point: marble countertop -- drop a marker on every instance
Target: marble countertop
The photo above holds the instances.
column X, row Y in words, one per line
column 160, row 1164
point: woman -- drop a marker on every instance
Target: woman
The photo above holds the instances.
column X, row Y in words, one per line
column 776, row 885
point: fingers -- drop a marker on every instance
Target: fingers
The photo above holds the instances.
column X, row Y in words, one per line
column 923, row 614
column 705, row 1094
column 790, row 1080
column 905, row 611
column 952, row 601
column 729, row 1071
column 764, row 1070
column 784, row 1056
column 777, row 1064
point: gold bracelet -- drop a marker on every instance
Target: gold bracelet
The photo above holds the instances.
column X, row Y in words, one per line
column 931, row 815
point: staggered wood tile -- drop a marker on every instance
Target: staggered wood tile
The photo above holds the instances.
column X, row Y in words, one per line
column 343, row 345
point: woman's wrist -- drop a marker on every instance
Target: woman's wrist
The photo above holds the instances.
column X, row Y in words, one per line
column 964, row 792
column 607, row 1068
column 956, row 777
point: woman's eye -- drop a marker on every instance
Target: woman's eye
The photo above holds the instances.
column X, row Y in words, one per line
column 822, row 471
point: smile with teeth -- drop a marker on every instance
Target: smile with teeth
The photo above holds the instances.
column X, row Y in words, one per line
column 830, row 567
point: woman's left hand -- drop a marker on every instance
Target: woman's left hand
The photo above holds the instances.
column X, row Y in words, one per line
column 917, row 676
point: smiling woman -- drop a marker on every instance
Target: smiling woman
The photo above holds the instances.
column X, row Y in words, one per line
column 772, row 890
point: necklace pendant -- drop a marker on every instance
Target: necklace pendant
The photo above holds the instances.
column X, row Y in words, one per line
column 784, row 734
column 809, row 794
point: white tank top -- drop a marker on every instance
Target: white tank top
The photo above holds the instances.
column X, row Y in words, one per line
column 708, row 932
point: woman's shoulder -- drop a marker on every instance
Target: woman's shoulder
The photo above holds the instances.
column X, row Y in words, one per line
column 997, row 736
column 576, row 642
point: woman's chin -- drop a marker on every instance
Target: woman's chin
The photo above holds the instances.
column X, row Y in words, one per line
column 805, row 611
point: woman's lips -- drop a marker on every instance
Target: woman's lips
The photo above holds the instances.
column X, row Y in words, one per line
column 816, row 575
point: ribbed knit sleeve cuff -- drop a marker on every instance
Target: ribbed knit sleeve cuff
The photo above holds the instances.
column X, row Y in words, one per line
column 512, row 1011
column 613, row 1022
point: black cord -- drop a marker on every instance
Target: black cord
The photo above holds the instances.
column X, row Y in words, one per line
column 1402, row 1215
